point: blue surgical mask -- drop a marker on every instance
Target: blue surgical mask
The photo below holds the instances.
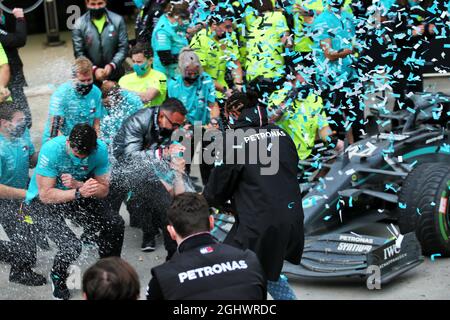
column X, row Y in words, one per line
column 140, row 69
column 174, row 25
column 180, row 26
column 184, row 26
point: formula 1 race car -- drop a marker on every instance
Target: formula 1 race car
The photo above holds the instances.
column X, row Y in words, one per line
column 400, row 173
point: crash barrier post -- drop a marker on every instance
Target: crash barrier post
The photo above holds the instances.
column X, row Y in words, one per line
column 51, row 24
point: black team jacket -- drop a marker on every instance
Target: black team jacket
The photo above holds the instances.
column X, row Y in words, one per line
column 267, row 207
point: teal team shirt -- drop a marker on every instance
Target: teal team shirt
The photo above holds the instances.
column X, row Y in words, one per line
column 114, row 117
column 54, row 160
column 74, row 108
column 341, row 30
column 195, row 98
column 15, row 160
column 166, row 36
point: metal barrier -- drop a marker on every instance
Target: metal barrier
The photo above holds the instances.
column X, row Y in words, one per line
column 51, row 24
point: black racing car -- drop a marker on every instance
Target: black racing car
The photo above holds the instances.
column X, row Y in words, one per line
column 400, row 173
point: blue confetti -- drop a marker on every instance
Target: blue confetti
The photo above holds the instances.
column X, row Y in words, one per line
column 389, row 186
column 433, row 256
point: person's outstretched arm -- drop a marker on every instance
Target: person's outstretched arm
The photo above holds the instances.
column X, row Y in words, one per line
column 7, row 192
column 18, row 39
column 5, row 75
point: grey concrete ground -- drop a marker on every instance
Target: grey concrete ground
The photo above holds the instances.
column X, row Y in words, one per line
column 45, row 68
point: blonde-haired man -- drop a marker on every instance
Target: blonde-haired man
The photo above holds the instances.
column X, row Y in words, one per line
column 73, row 102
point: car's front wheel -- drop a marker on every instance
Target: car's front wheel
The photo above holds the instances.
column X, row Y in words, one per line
column 424, row 207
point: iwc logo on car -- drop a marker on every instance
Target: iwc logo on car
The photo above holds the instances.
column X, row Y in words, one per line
column 391, row 251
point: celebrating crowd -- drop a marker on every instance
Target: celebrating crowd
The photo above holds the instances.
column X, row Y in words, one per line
column 292, row 73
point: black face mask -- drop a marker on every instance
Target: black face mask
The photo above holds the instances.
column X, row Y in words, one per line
column 18, row 130
column 165, row 133
column 83, row 89
column 223, row 36
column 97, row 13
column 337, row 4
column 191, row 80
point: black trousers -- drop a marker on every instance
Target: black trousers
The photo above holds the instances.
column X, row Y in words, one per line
column 345, row 108
column 401, row 86
column 20, row 251
column 142, row 214
column 407, row 76
column 134, row 209
column 149, row 197
column 89, row 214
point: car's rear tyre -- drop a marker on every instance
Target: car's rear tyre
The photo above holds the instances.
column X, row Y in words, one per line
column 425, row 192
